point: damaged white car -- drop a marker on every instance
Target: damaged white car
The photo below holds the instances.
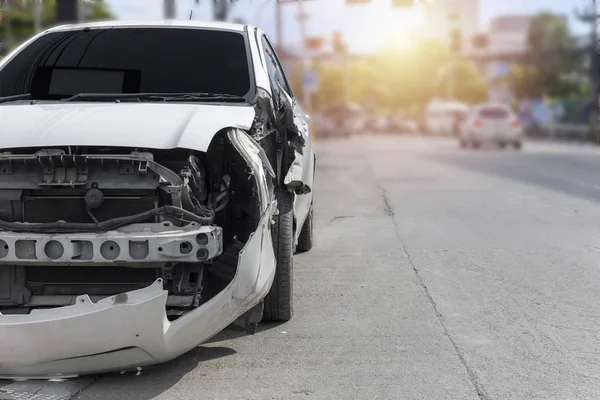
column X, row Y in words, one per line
column 155, row 181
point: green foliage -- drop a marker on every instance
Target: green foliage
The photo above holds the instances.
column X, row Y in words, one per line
column 98, row 10
column 332, row 89
column 552, row 57
column 395, row 79
column 525, row 82
column 295, row 80
column 469, row 85
column 20, row 16
column 548, row 37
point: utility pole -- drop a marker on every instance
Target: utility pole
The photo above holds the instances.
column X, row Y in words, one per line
column 340, row 51
column 278, row 23
column 67, row 11
column 591, row 17
column 347, row 80
column 302, row 17
column 169, row 9
column 221, row 10
column 455, row 50
column 451, row 89
column 9, row 39
column 37, row 16
column 306, row 62
column 279, row 19
column 595, row 65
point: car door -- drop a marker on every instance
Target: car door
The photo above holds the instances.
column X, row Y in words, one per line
column 303, row 167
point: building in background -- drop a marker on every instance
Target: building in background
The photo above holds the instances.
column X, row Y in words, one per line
column 444, row 15
column 507, row 35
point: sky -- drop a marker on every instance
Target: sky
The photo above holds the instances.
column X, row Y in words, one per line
column 326, row 16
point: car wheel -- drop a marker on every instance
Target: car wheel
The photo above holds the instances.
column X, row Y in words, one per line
column 463, row 144
column 278, row 302
column 502, row 145
column 517, row 145
column 305, row 240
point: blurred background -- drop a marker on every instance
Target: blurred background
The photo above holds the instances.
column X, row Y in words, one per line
column 395, row 66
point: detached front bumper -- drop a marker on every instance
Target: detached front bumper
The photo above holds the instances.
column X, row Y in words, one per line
column 131, row 329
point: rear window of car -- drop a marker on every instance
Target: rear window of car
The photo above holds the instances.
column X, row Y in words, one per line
column 131, row 60
column 493, row 113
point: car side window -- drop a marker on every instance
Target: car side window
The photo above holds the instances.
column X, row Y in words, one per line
column 274, row 69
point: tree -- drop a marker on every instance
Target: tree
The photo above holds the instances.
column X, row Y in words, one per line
column 469, row 86
column 331, row 86
column 397, row 78
column 19, row 19
column 401, row 78
column 97, row 10
column 524, row 82
column 553, row 55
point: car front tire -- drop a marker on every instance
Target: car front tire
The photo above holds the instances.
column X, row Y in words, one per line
column 278, row 304
column 518, row 145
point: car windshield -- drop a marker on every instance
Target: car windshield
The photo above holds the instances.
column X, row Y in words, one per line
column 130, row 60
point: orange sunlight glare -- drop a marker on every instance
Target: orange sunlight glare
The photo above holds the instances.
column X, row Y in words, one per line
column 389, row 29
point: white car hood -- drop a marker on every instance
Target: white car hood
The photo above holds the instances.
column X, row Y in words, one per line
column 150, row 125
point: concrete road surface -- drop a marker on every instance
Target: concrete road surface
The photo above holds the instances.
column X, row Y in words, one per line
column 437, row 273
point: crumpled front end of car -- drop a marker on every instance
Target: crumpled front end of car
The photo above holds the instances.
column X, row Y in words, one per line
column 120, row 258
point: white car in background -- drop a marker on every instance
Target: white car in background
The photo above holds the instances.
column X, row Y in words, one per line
column 341, row 121
column 491, row 123
column 377, row 124
column 441, row 117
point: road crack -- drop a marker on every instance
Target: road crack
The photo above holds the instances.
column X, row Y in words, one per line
column 387, row 208
column 389, row 211
column 472, row 377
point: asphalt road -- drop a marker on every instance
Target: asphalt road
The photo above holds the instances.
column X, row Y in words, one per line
column 437, row 273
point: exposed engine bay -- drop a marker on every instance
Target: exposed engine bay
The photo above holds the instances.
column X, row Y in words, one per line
column 103, row 221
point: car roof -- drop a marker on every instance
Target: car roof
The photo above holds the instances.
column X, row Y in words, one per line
column 224, row 26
